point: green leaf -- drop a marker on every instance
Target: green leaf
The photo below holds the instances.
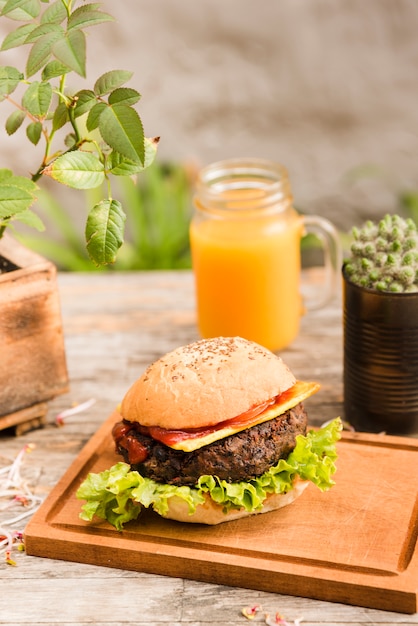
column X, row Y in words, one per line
column 71, row 51
column 37, row 98
column 17, row 37
column 23, row 183
column 70, row 140
column 124, row 95
column 88, row 15
column 105, row 231
column 53, row 69
column 17, row 194
column 77, row 169
column 14, row 200
column 44, row 29
column 33, row 132
column 60, row 117
column 15, row 121
column 5, row 174
column 21, row 10
column 120, row 166
column 29, row 218
column 85, row 100
column 121, row 128
column 151, row 146
column 40, row 52
column 94, row 116
column 10, row 77
column 54, row 14
column 110, row 81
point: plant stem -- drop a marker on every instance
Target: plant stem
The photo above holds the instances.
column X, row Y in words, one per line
column 62, row 98
column 3, row 226
column 67, row 6
column 74, row 124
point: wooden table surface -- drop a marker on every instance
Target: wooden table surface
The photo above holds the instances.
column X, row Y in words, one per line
column 115, row 325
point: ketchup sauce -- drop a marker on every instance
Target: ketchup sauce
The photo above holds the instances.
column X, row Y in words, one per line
column 137, row 452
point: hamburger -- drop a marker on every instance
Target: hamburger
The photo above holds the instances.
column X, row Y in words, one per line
column 212, row 431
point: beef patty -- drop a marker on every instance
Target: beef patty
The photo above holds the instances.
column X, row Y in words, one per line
column 242, row 456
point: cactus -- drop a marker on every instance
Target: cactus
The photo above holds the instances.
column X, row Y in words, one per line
column 384, row 255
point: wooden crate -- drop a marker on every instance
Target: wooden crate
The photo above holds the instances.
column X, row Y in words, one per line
column 33, row 366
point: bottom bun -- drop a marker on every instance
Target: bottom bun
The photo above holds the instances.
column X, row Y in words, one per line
column 211, row 513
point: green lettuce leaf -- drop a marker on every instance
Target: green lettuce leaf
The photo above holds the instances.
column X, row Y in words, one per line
column 118, row 494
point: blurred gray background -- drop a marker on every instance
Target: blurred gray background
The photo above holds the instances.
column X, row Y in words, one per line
column 329, row 88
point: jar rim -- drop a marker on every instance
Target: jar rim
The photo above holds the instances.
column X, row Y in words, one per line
column 244, row 175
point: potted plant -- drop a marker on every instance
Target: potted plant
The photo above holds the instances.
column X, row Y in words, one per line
column 88, row 136
column 380, row 302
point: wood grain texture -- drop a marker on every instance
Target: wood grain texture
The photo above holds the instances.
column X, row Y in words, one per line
column 33, row 366
column 114, row 326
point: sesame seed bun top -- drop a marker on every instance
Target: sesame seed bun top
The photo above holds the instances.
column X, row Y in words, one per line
column 205, row 383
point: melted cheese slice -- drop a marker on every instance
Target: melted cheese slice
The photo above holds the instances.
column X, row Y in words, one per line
column 299, row 392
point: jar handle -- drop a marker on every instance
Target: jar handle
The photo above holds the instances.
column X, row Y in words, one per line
column 327, row 234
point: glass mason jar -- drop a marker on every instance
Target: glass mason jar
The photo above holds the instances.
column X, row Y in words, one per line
column 245, row 239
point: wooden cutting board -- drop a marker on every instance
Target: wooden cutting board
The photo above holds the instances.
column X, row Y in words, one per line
column 355, row 544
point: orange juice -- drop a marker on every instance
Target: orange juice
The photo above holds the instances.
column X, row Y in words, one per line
column 247, row 277
column 245, row 243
